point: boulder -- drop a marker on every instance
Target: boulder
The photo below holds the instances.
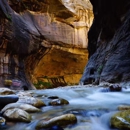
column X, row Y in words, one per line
column 32, row 101
column 59, row 101
column 6, row 91
column 63, row 120
column 111, row 88
column 25, row 107
column 17, row 114
column 123, row 107
column 6, row 99
column 115, row 88
column 121, row 120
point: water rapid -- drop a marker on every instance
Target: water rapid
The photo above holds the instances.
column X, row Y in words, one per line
column 92, row 108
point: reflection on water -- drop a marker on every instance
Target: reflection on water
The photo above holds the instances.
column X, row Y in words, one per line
column 92, row 108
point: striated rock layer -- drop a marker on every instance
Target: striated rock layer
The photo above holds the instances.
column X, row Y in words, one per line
column 109, row 43
column 58, row 62
column 31, row 29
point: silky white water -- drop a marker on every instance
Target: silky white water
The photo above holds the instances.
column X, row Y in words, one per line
column 92, row 108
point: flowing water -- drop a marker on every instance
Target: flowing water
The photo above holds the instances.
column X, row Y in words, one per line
column 92, row 108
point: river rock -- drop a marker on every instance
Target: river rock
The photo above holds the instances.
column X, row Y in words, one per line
column 121, row 120
column 32, row 101
column 59, row 101
column 2, row 121
column 115, row 88
column 111, row 88
column 25, row 107
column 63, row 120
column 17, row 114
column 6, row 91
column 123, row 107
column 6, row 99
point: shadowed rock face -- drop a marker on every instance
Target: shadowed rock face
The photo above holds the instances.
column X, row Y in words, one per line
column 30, row 29
column 109, row 48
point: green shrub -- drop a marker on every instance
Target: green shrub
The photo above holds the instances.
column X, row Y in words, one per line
column 43, row 85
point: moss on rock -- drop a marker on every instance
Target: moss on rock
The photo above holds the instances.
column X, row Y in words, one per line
column 121, row 120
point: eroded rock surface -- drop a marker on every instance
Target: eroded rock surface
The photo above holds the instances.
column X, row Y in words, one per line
column 57, row 102
column 109, row 55
column 17, row 114
column 121, row 120
column 30, row 29
column 23, row 106
column 123, row 107
column 60, row 120
column 32, row 101
column 6, row 91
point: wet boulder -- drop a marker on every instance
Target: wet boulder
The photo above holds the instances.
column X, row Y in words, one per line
column 25, row 107
column 111, row 88
column 32, row 101
column 6, row 99
column 121, row 120
column 57, row 102
column 123, row 107
column 17, row 114
column 63, row 120
column 115, row 88
column 6, row 91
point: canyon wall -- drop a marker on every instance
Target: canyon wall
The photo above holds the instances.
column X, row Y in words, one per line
column 48, row 34
column 109, row 43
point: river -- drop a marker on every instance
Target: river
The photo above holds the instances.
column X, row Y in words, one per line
column 92, row 107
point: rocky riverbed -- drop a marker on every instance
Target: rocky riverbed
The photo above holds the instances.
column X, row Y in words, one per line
column 70, row 108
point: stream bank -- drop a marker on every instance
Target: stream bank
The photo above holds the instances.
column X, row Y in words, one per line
column 92, row 107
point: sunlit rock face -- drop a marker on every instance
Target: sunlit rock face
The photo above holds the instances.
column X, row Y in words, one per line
column 64, row 25
column 36, row 28
column 109, row 55
column 65, row 22
column 66, row 62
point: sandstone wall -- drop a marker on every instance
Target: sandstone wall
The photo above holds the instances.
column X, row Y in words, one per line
column 33, row 28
